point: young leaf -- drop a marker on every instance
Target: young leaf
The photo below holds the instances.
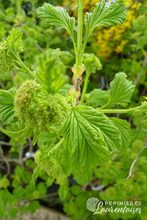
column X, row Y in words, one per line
column 90, row 135
column 49, row 65
column 14, row 41
column 7, row 105
column 105, row 14
column 97, row 98
column 92, row 63
column 57, row 16
column 9, row 50
column 5, row 59
column 121, row 90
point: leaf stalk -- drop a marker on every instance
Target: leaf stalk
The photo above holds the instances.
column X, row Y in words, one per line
column 79, row 55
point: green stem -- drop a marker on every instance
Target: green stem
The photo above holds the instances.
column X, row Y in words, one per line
column 135, row 161
column 24, row 67
column 13, row 133
column 74, row 45
column 21, row 64
column 57, row 145
column 105, row 106
column 18, row 7
column 79, row 54
column 84, row 44
column 111, row 111
column 86, row 81
column 122, row 111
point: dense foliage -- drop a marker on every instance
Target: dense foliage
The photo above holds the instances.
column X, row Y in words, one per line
column 73, row 120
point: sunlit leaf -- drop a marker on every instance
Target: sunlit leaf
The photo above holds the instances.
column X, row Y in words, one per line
column 121, row 90
column 90, row 135
column 57, row 16
column 105, row 14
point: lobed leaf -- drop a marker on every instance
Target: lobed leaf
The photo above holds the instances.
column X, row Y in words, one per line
column 97, row 97
column 7, row 105
column 14, row 41
column 90, row 135
column 5, row 59
column 49, row 65
column 105, row 14
column 9, row 50
column 121, row 90
column 57, row 16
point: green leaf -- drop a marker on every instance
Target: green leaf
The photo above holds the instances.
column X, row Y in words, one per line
column 9, row 50
column 51, row 70
column 105, row 14
column 5, row 59
column 90, row 135
column 121, row 90
column 7, row 105
column 97, row 98
column 4, row 182
column 92, row 63
column 57, row 16
column 124, row 128
column 14, row 41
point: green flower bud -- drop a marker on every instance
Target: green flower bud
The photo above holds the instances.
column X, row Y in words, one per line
column 49, row 113
column 37, row 157
column 25, row 100
column 48, row 163
column 38, row 109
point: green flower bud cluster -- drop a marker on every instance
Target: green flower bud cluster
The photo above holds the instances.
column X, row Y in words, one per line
column 5, row 61
column 43, row 161
column 48, row 163
column 38, row 109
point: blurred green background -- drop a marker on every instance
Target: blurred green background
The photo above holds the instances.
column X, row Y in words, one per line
column 120, row 48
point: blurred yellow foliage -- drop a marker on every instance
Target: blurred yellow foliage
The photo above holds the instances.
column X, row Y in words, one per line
column 110, row 39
